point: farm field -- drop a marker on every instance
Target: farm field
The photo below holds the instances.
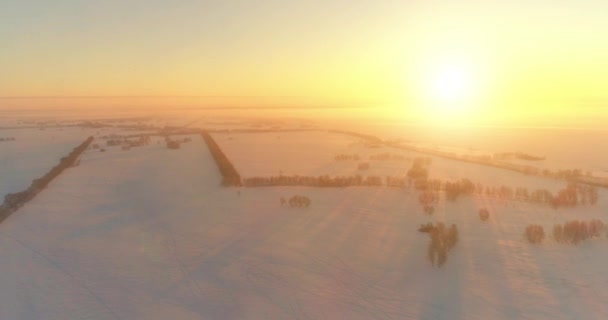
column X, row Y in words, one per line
column 149, row 233
column 313, row 153
column 33, row 153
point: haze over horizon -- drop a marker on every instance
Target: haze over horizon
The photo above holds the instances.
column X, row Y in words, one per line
column 469, row 62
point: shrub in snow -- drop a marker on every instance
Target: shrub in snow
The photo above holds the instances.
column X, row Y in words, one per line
column 173, row 144
column 535, row 233
column 484, row 214
column 299, row 201
column 426, row 227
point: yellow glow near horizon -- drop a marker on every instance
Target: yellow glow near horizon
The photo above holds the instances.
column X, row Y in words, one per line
column 496, row 62
column 448, row 86
column 451, row 85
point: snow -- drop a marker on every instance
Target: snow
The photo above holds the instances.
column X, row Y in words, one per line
column 149, row 234
column 313, row 153
column 33, row 153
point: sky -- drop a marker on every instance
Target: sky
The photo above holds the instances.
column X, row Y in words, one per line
column 521, row 61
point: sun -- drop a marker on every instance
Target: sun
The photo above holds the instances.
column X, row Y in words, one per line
column 450, row 85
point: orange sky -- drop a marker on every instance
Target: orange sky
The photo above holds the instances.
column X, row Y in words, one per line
column 527, row 60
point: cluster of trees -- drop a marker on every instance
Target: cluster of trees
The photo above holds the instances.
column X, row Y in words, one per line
column 442, row 241
column 312, row 181
column 117, row 136
column 484, row 214
column 230, row 176
column 363, row 166
column 128, row 143
column 573, row 194
column 396, row 181
column 14, row 201
column 534, row 233
column 297, row 201
column 5, row 139
column 114, row 142
column 387, row 156
column 175, row 143
column 346, row 157
column 366, row 137
column 576, row 231
column 457, row 188
column 427, row 199
column 517, row 155
column 419, row 168
column 567, row 174
column 435, row 185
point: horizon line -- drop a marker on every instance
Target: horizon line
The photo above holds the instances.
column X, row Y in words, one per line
column 148, row 96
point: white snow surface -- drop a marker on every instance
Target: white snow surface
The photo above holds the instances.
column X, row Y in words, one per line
column 149, row 234
column 34, row 153
column 313, row 153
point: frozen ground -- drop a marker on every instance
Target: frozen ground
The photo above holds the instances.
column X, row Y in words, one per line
column 313, row 153
column 33, row 153
column 149, row 234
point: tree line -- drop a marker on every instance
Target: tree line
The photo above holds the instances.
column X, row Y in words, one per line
column 14, row 201
column 230, row 177
column 573, row 194
column 375, row 157
column 576, row 231
column 570, row 232
column 297, row 201
column 347, row 157
column 387, row 156
column 366, row 137
column 313, row 181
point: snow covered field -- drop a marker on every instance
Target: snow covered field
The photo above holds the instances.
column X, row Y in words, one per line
column 149, row 234
column 313, row 153
column 33, row 153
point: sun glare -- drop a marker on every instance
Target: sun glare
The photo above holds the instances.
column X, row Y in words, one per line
column 449, row 89
column 451, row 84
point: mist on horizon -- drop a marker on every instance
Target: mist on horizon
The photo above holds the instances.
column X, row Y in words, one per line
column 492, row 64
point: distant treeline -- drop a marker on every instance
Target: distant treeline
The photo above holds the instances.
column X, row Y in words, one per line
column 576, row 231
column 572, row 195
column 375, row 157
column 346, row 157
column 230, row 177
column 14, row 201
column 312, row 181
column 259, row 130
column 517, row 155
column 367, row 137
column 388, row 156
column 575, row 175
